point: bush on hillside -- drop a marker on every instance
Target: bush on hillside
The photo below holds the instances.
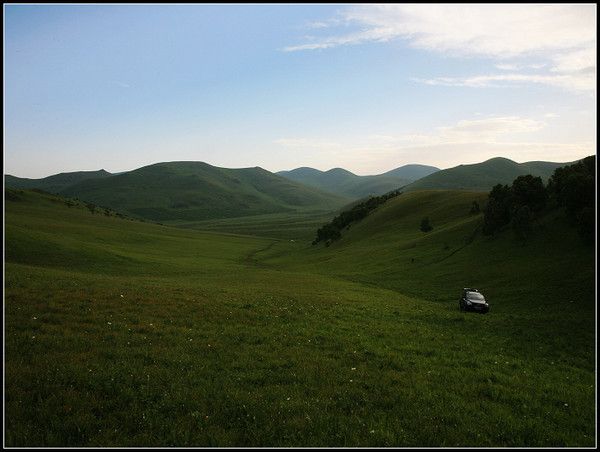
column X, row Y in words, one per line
column 425, row 225
column 91, row 207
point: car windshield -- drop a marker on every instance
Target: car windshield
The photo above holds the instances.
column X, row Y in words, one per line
column 475, row 296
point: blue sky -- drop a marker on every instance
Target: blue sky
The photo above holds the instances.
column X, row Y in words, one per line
column 364, row 87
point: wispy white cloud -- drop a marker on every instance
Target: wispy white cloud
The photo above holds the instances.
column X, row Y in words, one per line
column 507, row 67
column 517, row 67
column 500, row 31
column 487, row 129
column 581, row 61
column 562, row 38
column 572, row 81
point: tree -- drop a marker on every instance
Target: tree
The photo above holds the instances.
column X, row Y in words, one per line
column 529, row 191
column 425, row 225
column 521, row 222
column 497, row 211
column 573, row 188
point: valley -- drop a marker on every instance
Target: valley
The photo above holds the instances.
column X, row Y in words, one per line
column 127, row 333
column 310, row 225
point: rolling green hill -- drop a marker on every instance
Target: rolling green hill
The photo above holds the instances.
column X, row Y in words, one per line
column 192, row 191
column 55, row 183
column 123, row 333
column 483, row 176
column 345, row 183
column 388, row 249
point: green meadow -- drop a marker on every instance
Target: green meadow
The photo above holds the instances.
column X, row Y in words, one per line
column 127, row 333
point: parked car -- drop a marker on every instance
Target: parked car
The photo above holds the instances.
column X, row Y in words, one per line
column 473, row 300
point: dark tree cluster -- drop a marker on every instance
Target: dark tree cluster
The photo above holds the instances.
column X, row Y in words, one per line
column 519, row 205
column 333, row 230
column 573, row 188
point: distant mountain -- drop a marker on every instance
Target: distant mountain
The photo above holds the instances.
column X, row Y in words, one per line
column 191, row 191
column 344, row 183
column 55, row 183
column 483, row 176
column 412, row 172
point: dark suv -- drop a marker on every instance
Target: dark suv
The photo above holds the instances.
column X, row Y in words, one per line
column 473, row 300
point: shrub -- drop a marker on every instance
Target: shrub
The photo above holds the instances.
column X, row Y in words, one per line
column 91, row 207
column 425, row 225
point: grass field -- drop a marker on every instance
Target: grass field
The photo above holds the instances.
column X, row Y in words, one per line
column 123, row 333
column 296, row 226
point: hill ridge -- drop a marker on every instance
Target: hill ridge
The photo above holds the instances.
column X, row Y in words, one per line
column 484, row 175
column 344, row 182
column 189, row 191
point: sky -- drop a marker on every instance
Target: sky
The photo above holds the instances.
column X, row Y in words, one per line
column 365, row 87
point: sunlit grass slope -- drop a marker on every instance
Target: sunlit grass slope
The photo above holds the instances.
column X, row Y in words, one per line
column 388, row 249
column 296, row 226
column 122, row 333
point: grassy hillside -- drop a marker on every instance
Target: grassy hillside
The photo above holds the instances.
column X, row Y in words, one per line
column 345, row 183
column 55, row 183
column 388, row 249
column 541, row 292
column 192, row 191
column 483, row 176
